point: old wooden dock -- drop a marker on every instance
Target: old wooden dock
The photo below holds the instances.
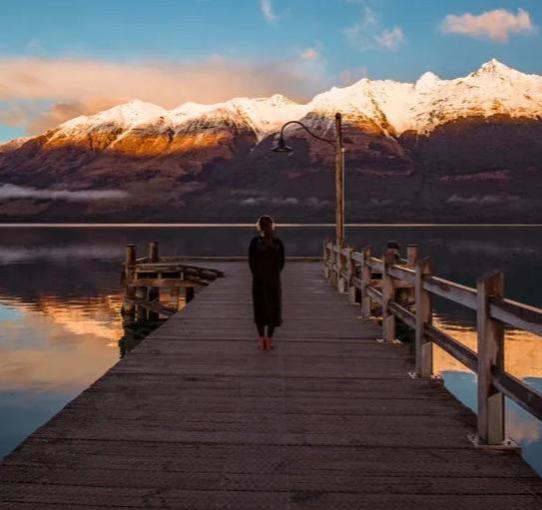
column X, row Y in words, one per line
column 197, row 418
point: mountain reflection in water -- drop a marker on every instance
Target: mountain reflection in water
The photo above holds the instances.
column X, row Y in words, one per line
column 60, row 297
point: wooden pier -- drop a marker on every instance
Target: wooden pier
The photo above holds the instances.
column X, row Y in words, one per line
column 195, row 417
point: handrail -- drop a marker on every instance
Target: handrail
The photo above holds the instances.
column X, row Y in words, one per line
column 379, row 280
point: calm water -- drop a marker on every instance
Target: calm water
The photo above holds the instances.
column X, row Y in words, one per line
column 60, row 301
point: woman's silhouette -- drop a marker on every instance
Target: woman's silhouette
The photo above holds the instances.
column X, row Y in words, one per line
column 266, row 260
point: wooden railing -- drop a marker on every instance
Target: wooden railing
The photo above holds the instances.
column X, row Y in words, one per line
column 146, row 277
column 404, row 289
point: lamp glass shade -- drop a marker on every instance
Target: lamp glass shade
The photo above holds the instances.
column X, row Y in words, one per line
column 282, row 147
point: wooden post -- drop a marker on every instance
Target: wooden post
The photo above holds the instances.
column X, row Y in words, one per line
column 388, row 295
column 340, row 265
column 424, row 316
column 407, row 295
column 412, row 255
column 335, row 261
column 490, row 357
column 128, row 309
column 365, row 282
column 174, row 296
column 141, row 312
column 339, row 182
column 351, row 269
column 327, row 273
column 189, row 294
column 129, row 257
column 153, row 251
column 153, row 294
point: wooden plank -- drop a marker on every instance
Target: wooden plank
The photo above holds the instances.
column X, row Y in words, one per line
column 452, row 291
column 196, row 417
column 518, row 315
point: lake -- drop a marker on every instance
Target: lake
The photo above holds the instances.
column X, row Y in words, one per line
column 60, row 297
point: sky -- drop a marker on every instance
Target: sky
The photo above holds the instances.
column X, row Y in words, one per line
column 63, row 58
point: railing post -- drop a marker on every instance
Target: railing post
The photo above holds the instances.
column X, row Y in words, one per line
column 365, row 282
column 424, row 316
column 332, row 258
column 412, row 255
column 153, row 251
column 128, row 309
column 129, row 258
column 490, row 356
column 351, row 266
column 327, row 272
column 345, row 282
column 141, row 312
column 388, row 295
column 340, row 265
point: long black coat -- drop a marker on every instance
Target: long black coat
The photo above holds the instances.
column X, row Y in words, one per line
column 266, row 262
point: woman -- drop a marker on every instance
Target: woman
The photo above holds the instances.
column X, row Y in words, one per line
column 266, row 260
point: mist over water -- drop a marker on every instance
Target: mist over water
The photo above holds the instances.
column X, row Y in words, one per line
column 60, row 296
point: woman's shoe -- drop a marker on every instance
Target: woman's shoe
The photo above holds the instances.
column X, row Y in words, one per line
column 269, row 343
column 262, row 344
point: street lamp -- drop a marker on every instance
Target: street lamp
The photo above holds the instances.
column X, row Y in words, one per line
column 338, row 146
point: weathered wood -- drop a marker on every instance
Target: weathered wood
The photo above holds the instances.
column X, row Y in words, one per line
column 365, row 283
column 518, row 315
column 141, row 296
column 189, row 294
column 167, row 283
column 388, row 296
column 410, row 288
column 522, row 394
column 490, row 334
column 153, row 308
column 153, row 252
column 412, row 255
column 460, row 294
column 196, row 417
column 456, row 349
column 128, row 310
column 424, row 318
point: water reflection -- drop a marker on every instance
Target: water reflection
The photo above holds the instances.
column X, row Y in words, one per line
column 60, row 297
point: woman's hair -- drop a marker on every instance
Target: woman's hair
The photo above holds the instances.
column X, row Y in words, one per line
column 266, row 226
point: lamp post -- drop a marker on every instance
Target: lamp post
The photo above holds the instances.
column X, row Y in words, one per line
column 338, row 146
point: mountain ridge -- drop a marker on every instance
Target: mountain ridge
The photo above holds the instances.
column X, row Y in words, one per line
column 410, row 147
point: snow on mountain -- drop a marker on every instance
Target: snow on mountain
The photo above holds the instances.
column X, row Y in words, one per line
column 391, row 106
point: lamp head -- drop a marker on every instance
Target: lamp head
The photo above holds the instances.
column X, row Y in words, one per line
column 282, row 147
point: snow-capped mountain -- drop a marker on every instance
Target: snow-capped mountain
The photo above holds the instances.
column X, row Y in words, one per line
column 486, row 123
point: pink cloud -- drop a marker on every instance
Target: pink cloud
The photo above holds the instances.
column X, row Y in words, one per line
column 84, row 87
column 497, row 25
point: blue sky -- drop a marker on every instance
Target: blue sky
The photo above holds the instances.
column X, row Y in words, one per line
column 59, row 58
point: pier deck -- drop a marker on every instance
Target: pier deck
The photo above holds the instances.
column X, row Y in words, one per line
column 197, row 418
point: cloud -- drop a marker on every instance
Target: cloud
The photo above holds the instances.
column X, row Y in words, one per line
column 41, row 93
column 367, row 33
column 267, row 10
column 310, row 54
column 390, row 39
column 497, row 25
column 10, row 191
